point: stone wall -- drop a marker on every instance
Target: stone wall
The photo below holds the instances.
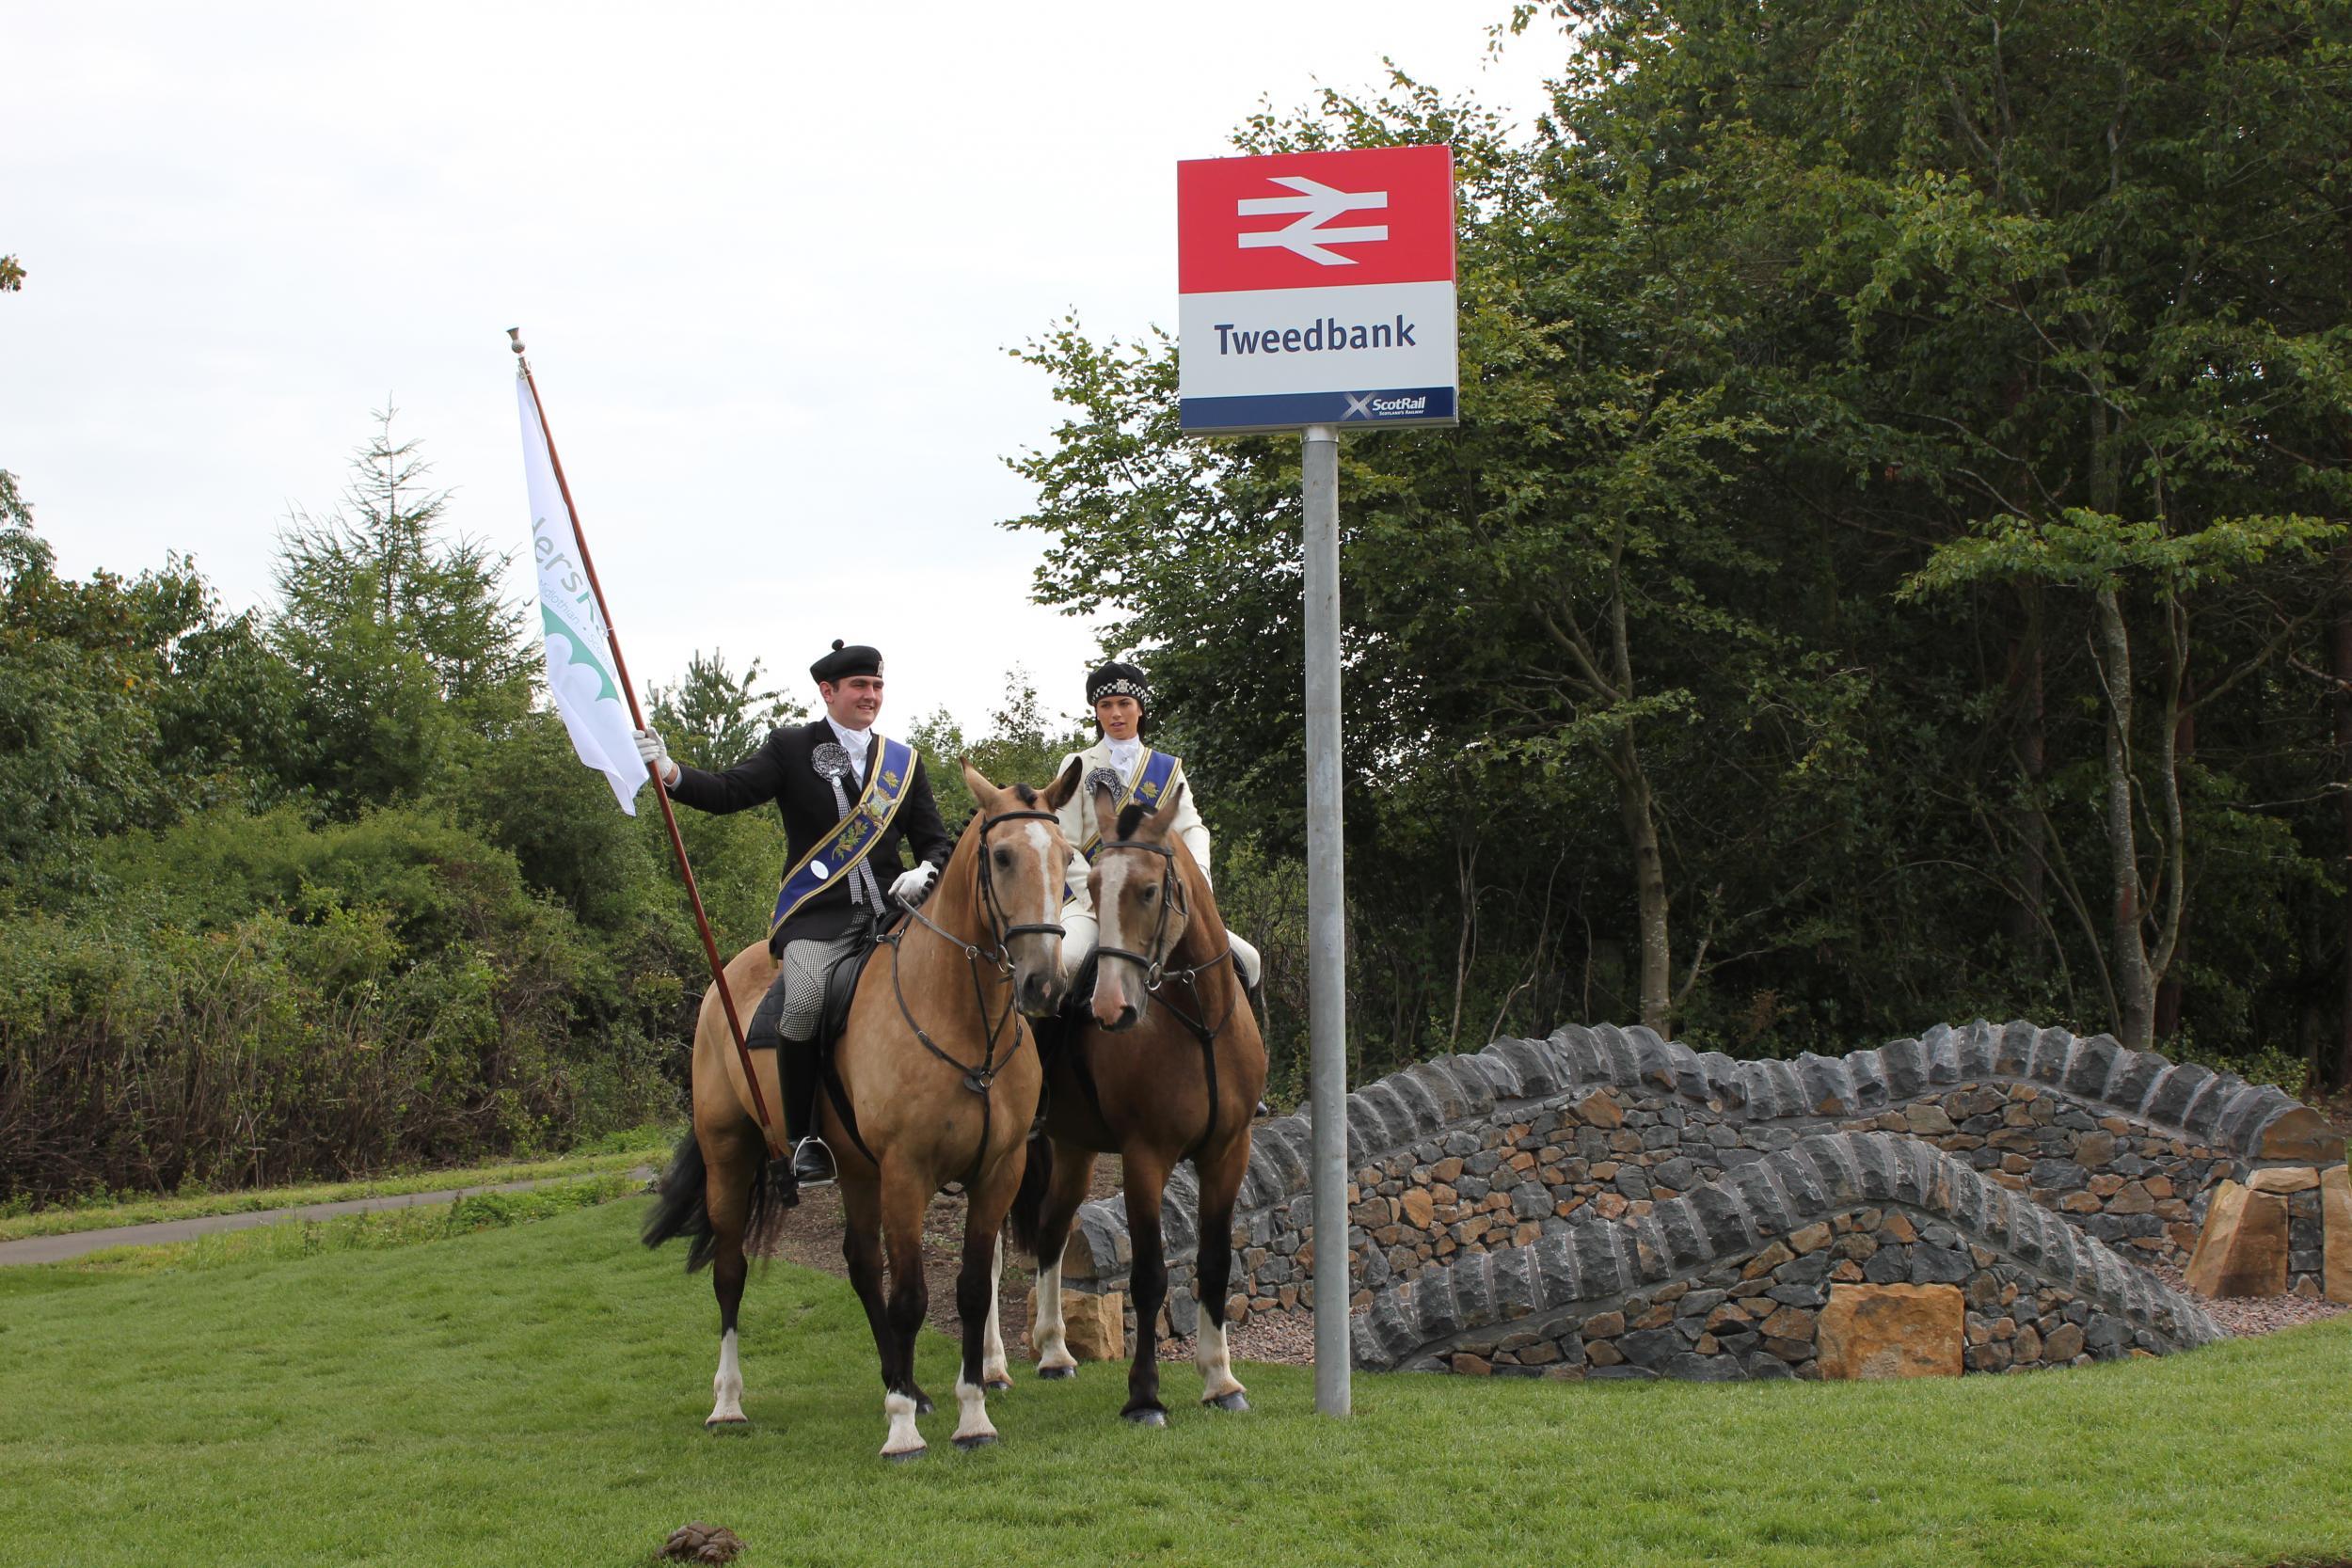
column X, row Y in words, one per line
column 1503, row 1147
column 1844, row 1249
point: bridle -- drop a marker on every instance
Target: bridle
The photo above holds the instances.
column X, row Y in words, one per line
column 1156, row 974
column 1001, row 931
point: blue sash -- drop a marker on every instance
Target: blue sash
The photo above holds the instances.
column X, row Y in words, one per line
column 1150, row 786
column 854, row 837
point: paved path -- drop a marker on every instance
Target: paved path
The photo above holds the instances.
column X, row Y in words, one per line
column 53, row 1249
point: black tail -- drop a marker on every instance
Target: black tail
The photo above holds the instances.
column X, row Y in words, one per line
column 1028, row 1204
column 678, row 1208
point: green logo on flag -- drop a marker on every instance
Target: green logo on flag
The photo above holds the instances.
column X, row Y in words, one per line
column 580, row 652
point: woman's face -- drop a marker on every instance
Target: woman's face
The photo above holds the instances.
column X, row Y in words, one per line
column 1119, row 716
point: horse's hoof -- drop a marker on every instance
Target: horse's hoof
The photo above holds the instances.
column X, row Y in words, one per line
column 998, row 1386
column 1058, row 1375
column 727, row 1423
column 1149, row 1416
column 977, row 1440
column 904, row 1455
column 1233, row 1401
column 921, row 1404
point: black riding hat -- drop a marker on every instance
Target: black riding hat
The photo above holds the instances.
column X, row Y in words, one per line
column 1119, row 680
column 843, row 662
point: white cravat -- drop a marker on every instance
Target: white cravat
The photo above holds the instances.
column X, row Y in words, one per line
column 854, row 742
column 1123, row 754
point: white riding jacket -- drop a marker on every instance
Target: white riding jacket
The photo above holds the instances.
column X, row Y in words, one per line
column 1077, row 813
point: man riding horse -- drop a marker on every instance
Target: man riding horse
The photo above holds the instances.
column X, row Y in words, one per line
column 842, row 837
column 1140, row 775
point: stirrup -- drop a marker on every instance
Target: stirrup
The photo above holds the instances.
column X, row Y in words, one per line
column 811, row 1162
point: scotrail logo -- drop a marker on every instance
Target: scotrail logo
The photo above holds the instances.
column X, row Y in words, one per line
column 1372, row 405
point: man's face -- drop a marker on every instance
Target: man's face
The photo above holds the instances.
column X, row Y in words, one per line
column 854, row 701
column 1119, row 716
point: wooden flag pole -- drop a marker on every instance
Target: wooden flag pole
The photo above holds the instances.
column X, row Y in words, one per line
column 669, row 817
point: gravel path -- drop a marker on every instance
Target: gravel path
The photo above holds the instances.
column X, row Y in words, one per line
column 56, row 1249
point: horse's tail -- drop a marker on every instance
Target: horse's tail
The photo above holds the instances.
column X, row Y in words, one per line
column 680, row 1209
column 1028, row 1204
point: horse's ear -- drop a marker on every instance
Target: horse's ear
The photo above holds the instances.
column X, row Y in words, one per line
column 1058, row 794
column 1105, row 813
column 987, row 793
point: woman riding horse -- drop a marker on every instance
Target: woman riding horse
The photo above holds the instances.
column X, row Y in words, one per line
column 929, row 1084
column 1168, row 1068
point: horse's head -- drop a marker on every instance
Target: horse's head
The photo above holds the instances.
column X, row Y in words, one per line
column 1023, row 859
column 1139, row 905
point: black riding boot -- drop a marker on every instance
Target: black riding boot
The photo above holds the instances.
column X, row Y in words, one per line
column 783, row 1186
column 812, row 1161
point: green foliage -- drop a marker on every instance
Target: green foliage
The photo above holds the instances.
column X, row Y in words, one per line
column 1820, row 370
column 256, row 1000
column 405, row 650
column 713, row 717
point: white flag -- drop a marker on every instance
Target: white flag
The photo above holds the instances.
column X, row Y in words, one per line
column 579, row 653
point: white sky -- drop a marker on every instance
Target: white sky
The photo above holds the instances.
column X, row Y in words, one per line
column 767, row 260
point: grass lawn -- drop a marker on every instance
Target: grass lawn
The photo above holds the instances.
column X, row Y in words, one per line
column 619, row 1152
column 534, row 1395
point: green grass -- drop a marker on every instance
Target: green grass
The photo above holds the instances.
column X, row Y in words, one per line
column 535, row 1396
column 377, row 1232
column 618, row 1153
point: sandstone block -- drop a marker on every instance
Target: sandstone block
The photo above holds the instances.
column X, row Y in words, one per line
column 2301, row 1134
column 2285, row 1179
column 2242, row 1250
column 1601, row 1109
column 1885, row 1331
column 1417, row 1208
column 1811, row 1239
column 1095, row 1326
column 2335, row 1208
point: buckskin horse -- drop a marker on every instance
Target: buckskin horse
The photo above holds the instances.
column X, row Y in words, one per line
column 1168, row 1067
column 937, row 1087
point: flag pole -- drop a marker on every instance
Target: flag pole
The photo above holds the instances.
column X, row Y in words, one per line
column 669, row 817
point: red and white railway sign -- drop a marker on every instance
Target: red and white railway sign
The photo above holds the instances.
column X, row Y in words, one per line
column 1315, row 287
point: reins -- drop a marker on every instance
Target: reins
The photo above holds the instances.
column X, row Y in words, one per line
column 1001, row 931
column 1156, row 974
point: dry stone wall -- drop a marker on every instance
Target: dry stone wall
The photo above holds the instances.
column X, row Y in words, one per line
column 1518, row 1144
column 1763, row 1274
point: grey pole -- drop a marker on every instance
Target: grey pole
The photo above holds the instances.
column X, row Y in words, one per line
column 1326, row 920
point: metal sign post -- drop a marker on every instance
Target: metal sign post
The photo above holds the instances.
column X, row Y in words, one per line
column 1326, row 919
column 1339, row 311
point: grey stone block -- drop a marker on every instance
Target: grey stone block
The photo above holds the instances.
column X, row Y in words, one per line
column 2052, row 1054
column 2013, row 1048
column 1904, row 1066
column 2095, row 1061
column 1555, row 1270
column 1974, row 1044
column 1942, row 1050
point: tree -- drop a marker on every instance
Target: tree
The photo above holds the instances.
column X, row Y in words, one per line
column 712, row 717
column 404, row 645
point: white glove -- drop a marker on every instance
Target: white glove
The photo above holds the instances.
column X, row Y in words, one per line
column 657, row 755
column 911, row 885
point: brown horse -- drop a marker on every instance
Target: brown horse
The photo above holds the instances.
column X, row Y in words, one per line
column 932, row 1063
column 1154, row 1084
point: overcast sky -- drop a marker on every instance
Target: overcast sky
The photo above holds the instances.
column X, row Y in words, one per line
column 768, row 261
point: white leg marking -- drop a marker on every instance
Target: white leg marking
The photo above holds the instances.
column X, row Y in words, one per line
column 1217, row 1371
column 903, row 1438
column 972, row 1427
column 993, row 1367
column 1053, row 1348
column 727, row 1386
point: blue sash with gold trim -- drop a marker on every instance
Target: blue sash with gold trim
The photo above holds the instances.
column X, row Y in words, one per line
column 854, row 837
column 1154, row 773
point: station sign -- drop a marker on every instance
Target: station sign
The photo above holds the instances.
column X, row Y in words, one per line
column 1316, row 288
